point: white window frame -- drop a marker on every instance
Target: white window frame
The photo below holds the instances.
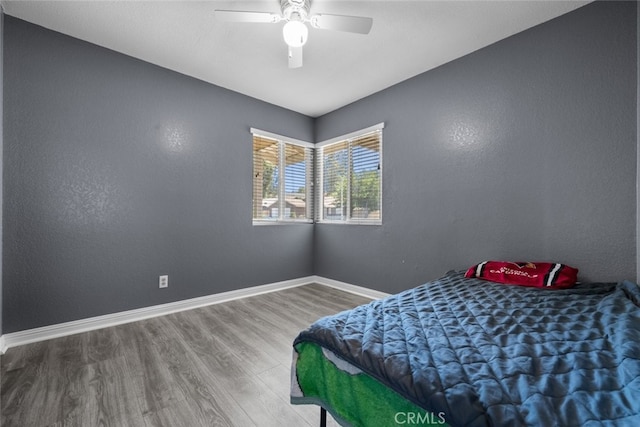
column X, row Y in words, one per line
column 310, row 197
column 319, row 202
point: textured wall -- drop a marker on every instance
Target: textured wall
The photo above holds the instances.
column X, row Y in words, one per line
column 1, row 151
column 638, row 149
column 117, row 171
column 524, row 150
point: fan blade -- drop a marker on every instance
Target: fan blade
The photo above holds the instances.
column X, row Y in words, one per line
column 242, row 16
column 295, row 57
column 350, row 24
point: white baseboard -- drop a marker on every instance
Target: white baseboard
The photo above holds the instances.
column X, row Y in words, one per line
column 19, row 338
column 347, row 287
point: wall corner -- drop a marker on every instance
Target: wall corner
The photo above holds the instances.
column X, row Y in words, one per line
column 1, row 156
column 638, row 143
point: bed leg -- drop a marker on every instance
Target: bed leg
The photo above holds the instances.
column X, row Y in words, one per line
column 323, row 417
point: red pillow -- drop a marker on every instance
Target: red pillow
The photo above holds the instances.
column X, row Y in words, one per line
column 538, row 274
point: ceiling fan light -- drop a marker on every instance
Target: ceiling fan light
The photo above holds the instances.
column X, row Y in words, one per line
column 295, row 33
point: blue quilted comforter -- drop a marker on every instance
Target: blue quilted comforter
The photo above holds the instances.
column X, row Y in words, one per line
column 490, row 354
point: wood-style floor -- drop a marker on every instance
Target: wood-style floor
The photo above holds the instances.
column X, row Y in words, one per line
column 223, row 365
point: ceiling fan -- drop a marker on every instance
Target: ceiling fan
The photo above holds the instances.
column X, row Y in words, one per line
column 296, row 13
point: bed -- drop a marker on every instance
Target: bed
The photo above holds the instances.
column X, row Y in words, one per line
column 466, row 352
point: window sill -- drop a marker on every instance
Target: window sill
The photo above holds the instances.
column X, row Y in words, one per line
column 261, row 223
column 351, row 222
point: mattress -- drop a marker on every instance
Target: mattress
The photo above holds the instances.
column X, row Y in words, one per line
column 350, row 395
column 474, row 353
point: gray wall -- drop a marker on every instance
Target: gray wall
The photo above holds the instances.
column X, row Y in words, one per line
column 524, row 150
column 117, row 171
column 1, row 149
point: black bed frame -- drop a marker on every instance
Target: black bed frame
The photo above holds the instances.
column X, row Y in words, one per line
column 323, row 417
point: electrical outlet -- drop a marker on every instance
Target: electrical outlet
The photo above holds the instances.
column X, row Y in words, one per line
column 164, row 281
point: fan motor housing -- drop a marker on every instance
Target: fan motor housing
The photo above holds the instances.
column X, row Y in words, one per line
column 293, row 7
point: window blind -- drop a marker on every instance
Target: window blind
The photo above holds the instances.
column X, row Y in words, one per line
column 266, row 177
column 282, row 180
column 298, row 171
column 365, row 177
column 351, row 178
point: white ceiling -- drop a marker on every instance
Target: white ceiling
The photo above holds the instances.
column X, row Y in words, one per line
column 407, row 38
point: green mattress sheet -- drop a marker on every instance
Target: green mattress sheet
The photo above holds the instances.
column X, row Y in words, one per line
column 352, row 397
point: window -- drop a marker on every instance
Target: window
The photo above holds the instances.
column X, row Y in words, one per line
column 350, row 181
column 282, row 179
